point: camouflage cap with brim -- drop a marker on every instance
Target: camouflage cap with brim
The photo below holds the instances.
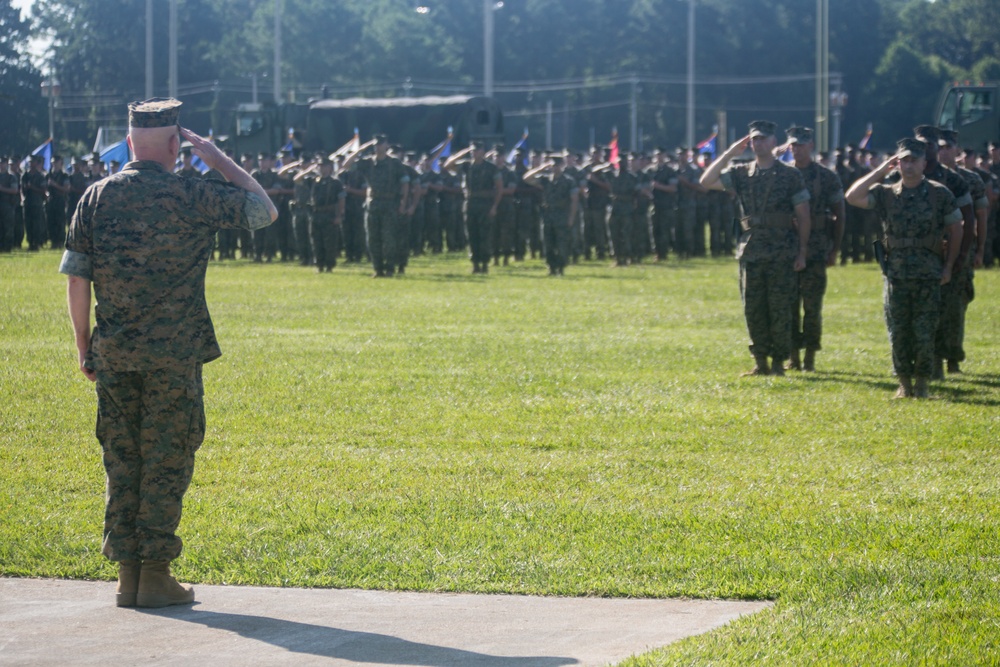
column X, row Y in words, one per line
column 799, row 135
column 948, row 138
column 154, row 112
column 911, row 147
column 762, row 128
column 927, row 133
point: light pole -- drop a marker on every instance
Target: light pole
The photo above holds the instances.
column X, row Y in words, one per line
column 50, row 89
column 489, row 34
column 173, row 49
column 689, row 140
column 279, row 8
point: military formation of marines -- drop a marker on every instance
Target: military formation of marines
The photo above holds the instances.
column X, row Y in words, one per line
column 145, row 265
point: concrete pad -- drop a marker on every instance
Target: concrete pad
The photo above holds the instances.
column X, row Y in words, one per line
column 57, row 622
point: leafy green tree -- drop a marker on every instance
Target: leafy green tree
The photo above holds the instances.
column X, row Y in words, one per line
column 21, row 105
column 907, row 83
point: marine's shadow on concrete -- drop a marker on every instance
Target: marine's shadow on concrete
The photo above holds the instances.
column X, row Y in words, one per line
column 967, row 389
column 362, row 647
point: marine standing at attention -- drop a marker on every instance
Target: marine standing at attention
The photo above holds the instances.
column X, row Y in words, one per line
column 142, row 238
column 826, row 203
column 774, row 242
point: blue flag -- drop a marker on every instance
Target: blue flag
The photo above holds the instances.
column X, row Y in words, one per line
column 198, row 163
column 710, row 145
column 45, row 150
column 116, row 152
column 445, row 148
column 522, row 144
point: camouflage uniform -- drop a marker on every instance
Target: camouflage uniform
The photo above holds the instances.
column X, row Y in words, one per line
column 504, row 227
column 595, row 226
column 301, row 212
column 7, row 205
column 624, row 188
column 451, row 211
column 354, row 216
column 953, row 296
column 825, row 192
column 386, row 178
column 327, row 192
column 410, row 230
column 687, row 210
column 576, row 233
column 265, row 241
column 664, row 205
column 431, row 183
column 55, row 207
column 147, row 265
column 481, row 181
column 766, row 252
column 959, row 292
column 558, row 194
column 913, row 223
column 527, row 224
column 640, row 241
column 33, row 189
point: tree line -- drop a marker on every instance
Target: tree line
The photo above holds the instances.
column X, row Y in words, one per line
column 893, row 57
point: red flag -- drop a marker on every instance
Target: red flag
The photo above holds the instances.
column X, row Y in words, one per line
column 614, row 147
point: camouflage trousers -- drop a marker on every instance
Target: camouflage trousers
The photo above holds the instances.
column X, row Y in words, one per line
column 912, row 308
column 381, row 229
column 620, row 226
column 663, row 229
column 303, row 236
column 768, row 290
column 35, row 225
column 807, row 313
column 149, row 424
column 596, row 231
column 504, row 229
column 949, row 339
column 6, row 226
column 480, row 225
column 55, row 216
column 326, row 241
column 558, row 238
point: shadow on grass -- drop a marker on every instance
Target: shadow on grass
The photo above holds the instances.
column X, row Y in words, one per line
column 951, row 390
column 351, row 645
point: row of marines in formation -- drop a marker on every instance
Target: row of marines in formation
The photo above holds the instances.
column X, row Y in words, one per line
column 669, row 212
column 933, row 217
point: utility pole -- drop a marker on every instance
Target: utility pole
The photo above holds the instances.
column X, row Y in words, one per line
column 488, row 34
column 634, row 115
column 822, row 75
column 279, row 7
column 149, row 49
column 689, row 140
column 173, row 49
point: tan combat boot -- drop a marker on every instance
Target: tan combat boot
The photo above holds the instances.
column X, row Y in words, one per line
column 761, row 368
column 809, row 362
column 794, row 362
column 920, row 388
column 905, row 387
column 157, row 588
column 128, row 583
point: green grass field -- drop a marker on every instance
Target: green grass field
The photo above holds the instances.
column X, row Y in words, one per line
column 585, row 435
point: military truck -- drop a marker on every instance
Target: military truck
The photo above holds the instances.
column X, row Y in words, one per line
column 973, row 109
column 324, row 125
